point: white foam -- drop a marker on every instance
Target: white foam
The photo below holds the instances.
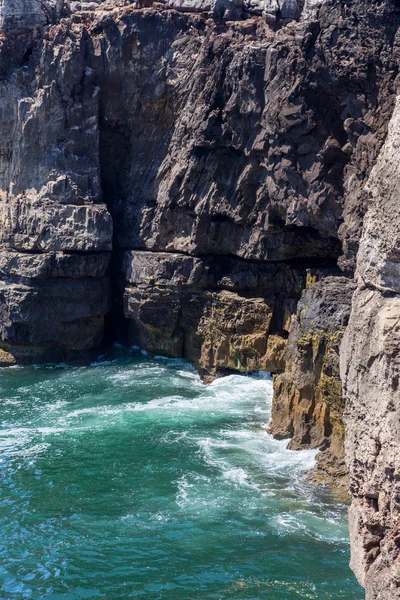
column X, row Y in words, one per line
column 310, row 525
column 103, row 363
column 281, row 460
column 54, row 406
column 236, row 454
column 237, row 475
column 11, row 402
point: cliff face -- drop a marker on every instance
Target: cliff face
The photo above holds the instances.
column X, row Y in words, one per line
column 55, row 231
column 232, row 142
column 164, row 125
column 189, row 177
column 370, row 371
column 308, row 401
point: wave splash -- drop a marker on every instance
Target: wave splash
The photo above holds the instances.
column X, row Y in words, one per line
column 134, row 462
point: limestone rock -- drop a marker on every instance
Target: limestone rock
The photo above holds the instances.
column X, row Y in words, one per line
column 65, row 313
column 32, row 224
column 370, row 367
column 55, row 231
column 310, row 9
column 219, row 149
column 234, row 333
column 378, row 262
column 22, row 14
column 183, row 306
column 274, row 11
column 52, row 265
column 162, row 268
column 308, row 404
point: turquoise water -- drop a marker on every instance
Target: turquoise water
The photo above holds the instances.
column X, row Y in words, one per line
column 132, row 479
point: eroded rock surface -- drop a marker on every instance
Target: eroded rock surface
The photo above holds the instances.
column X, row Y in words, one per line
column 308, row 402
column 223, row 141
column 370, row 372
column 203, row 155
column 55, row 230
column 223, row 315
column 27, row 14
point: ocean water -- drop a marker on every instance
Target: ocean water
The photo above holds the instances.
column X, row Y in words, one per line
column 132, row 479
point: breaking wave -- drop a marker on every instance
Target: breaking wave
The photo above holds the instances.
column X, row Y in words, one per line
column 131, row 478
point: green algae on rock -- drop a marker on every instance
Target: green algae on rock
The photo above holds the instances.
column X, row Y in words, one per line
column 308, row 404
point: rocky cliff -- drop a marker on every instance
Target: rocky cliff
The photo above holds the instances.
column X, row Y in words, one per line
column 308, row 401
column 370, row 372
column 192, row 176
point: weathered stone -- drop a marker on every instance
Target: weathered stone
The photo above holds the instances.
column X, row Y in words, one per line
column 218, row 331
column 54, row 312
column 31, row 224
column 22, row 14
column 207, row 310
column 310, row 9
column 274, row 11
column 230, row 144
column 308, row 405
column 234, row 333
column 162, row 269
column 370, row 367
column 55, row 231
column 154, row 320
column 51, row 265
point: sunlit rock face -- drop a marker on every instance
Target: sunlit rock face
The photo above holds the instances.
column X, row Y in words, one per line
column 130, row 129
column 273, row 11
column 370, row 371
column 55, row 230
column 224, row 315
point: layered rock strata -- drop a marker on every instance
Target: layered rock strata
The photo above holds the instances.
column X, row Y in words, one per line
column 224, row 315
column 203, row 155
column 55, row 230
column 106, row 135
column 17, row 15
column 273, row 11
column 52, row 305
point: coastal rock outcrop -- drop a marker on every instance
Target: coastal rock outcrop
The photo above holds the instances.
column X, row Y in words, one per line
column 103, row 151
column 52, row 305
column 171, row 171
column 55, row 230
column 16, row 15
column 370, row 373
column 308, row 402
column 273, row 11
column 224, row 315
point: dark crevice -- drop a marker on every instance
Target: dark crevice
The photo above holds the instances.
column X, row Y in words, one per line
column 27, row 55
column 304, row 262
